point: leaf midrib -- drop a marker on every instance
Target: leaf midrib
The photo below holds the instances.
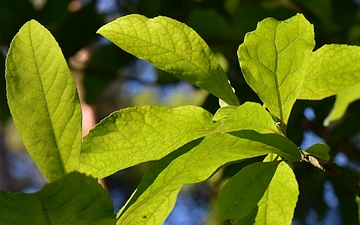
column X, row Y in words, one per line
column 250, row 183
column 185, row 59
column 52, row 133
column 172, row 179
column 282, row 123
column 153, row 144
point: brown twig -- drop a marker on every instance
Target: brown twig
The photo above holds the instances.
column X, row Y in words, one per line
column 333, row 169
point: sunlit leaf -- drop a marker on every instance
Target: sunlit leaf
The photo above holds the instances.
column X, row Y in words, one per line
column 251, row 116
column 74, row 199
column 140, row 134
column 43, row 100
column 223, row 112
column 279, row 201
column 272, row 60
column 243, row 191
column 278, row 204
column 134, row 135
column 173, row 47
column 331, row 69
column 193, row 163
column 343, row 99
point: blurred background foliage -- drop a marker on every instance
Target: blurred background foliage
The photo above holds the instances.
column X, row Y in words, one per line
column 110, row 79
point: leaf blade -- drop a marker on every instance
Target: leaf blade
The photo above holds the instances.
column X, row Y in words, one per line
column 248, row 116
column 139, row 134
column 283, row 182
column 332, row 69
column 343, row 99
column 74, row 199
column 274, row 208
column 244, row 190
column 173, row 47
column 43, row 100
column 272, row 58
column 192, row 163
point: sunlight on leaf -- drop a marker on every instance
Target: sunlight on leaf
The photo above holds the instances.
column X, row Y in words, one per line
column 193, row 163
column 279, row 201
column 173, row 47
column 243, row 191
column 223, row 112
column 74, row 199
column 272, row 60
column 43, row 101
column 251, row 116
column 140, row 134
column 343, row 100
column 331, row 69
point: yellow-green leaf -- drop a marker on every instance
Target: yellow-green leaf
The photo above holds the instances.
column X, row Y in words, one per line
column 43, row 100
column 272, row 59
column 171, row 46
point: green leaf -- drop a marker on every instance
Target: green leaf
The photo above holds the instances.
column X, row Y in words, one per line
column 74, row 199
column 193, row 163
column 279, row 201
column 343, row 100
column 223, row 112
column 139, row 134
column 243, row 191
column 319, row 150
column 251, row 116
column 173, row 47
column 272, row 59
column 331, row 69
column 43, row 101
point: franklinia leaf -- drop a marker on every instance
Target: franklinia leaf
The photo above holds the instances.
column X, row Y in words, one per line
column 343, row 99
column 279, row 201
column 248, row 116
column 319, row 150
column 171, row 46
column 242, row 192
column 331, row 69
column 74, row 199
column 43, row 100
column 223, row 112
column 193, row 163
column 272, row 59
column 139, row 134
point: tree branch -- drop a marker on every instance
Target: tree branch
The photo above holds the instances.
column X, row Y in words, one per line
column 333, row 169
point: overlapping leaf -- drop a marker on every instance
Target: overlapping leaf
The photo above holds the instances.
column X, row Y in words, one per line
column 331, row 69
column 319, row 150
column 272, row 59
column 279, row 201
column 193, row 163
column 242, row 192
column 43, row 100
column 250, row 116
column 134, row 135
column 74, row 199
column 173, row 47
column 140, row 134
column 343, row 99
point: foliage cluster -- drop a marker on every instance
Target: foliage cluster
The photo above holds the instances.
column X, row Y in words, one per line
column 190, row 144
